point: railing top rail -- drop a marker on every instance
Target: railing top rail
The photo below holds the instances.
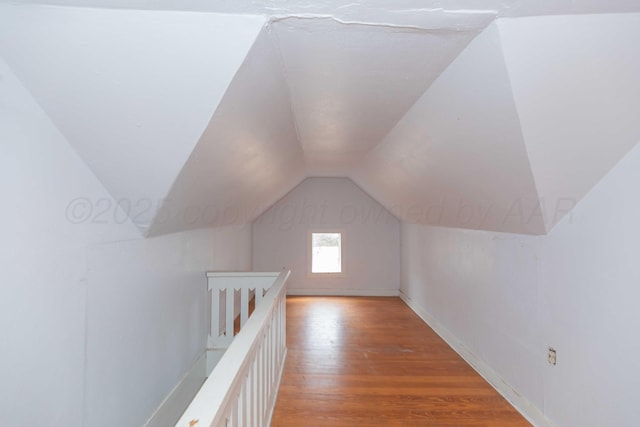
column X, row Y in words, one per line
column 241, row 274
column 208, row 405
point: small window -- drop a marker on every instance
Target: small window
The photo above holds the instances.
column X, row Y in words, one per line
column 326, row 252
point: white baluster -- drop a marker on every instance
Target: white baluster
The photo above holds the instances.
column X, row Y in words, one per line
column 230, row 313
column 243, row 405
column 244, row 305
column 260, row 385
column 254, row 393
column 264, row 378
column 270, row 358
column 259, row 295
column 235, row 410
column 215, row 315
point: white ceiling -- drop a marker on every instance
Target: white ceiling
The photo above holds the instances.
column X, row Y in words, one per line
column 399, row 12
column 209, row 118
column 458, row 159
column 525, row 121
column 351, row 83
column 130, row 90
column 248, row 156
column 576, row 82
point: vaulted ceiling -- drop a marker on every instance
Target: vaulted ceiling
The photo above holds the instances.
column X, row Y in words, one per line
column 491, row 115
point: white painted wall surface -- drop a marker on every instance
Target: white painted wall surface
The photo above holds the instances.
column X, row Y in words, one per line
column 457, row 158
column 97, row 324
column 508, row 297
column 127, row 86
column 576, row 85
column 248, row 156
column 371, row 249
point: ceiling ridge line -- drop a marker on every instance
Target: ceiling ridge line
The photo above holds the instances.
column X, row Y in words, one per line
column 416, row 28
column 275, row 39
column 397, row 122
column 518, row 113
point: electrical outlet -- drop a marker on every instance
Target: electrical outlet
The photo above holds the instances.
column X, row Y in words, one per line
column 552, row 356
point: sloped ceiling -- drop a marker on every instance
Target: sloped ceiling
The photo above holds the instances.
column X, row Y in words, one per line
column 399, row 12
column 526, row 120
column 132, row 91
column 248, row 156
column 576, row 82
column 197, row 113
column 351, row 82
column 457, row 158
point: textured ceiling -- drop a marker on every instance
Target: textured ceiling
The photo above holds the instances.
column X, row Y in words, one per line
column 400, row 12
column 456, row 116
column 351, row 83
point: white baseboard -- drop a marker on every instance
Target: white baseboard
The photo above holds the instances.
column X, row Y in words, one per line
column 519, row 402
column 277, row 389
column 172, row 407
column 344, row 292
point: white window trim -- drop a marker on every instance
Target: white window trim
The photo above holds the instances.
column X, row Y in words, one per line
column 343, row 263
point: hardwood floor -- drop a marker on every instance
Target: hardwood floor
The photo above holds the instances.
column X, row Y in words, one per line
column 371, row 362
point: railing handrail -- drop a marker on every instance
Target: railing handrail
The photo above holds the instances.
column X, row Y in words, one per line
column 209, row 404
column 241, row 274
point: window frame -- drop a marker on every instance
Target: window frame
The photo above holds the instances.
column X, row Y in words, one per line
column 343, row 263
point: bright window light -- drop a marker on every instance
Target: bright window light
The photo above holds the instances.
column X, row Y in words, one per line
column 326, row 252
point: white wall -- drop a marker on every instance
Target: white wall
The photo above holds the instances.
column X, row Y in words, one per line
column 97, row 324
column 371, row 252
column 507, row 298
column 121, row 83
column 458, row 158
column 575, row 84
column 247, row 158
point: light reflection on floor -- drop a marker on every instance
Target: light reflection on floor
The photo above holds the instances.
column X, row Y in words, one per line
column 324, row 333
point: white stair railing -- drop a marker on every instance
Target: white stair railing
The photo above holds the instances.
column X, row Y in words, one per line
column 231, row 294
column 241, row 390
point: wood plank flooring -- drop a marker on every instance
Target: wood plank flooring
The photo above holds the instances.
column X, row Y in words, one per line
column 372, row 362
